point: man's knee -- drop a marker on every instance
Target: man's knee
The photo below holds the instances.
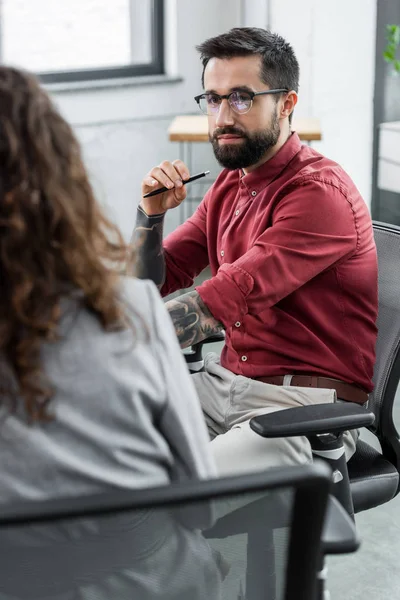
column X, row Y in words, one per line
column 241, row 450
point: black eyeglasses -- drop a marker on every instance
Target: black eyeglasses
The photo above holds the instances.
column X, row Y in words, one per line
column 239, row 101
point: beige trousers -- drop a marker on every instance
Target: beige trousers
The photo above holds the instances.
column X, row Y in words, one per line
column 229, row 401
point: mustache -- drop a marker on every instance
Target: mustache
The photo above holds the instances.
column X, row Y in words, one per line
column 227, row 131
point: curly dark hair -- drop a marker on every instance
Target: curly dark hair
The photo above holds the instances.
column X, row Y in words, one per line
column 54, row 238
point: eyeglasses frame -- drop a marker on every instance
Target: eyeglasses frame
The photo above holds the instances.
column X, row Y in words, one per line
column 227, row 96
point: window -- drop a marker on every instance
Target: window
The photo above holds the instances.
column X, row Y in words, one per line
column 79, row 40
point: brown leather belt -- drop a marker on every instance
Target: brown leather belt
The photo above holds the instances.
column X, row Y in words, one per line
column 345, row 391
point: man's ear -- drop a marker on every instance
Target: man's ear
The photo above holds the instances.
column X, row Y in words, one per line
column 288, row 104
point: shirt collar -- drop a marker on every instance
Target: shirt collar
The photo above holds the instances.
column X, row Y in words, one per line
column 262, row 176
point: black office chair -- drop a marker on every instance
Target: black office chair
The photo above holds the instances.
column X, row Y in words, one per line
column 147, row 544
column 373, row 475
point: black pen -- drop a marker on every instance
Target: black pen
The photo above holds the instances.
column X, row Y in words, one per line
column 165, row 189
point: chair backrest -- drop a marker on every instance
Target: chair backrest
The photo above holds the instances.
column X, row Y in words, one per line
column 387, row 366
column 148, row 545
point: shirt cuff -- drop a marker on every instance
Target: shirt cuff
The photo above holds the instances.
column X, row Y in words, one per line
column 226, row 294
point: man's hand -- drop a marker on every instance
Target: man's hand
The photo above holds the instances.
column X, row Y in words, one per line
column 169, row 175
column 192, row 319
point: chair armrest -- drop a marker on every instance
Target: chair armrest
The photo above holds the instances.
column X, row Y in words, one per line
column 339, row 535
column 195, row 353
column 312, row 420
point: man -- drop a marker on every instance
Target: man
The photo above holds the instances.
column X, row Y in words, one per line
column 290, row 245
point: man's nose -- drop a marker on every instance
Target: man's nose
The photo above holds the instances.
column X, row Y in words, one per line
column 225, row 114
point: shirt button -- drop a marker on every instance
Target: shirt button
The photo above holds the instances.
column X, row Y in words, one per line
column 237, row 212
column 244, row 358
column 237, row 324
column 254, row 193
column 222, row 253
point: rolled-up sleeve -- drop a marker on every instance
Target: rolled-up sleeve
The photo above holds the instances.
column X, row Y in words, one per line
column 226, row 294
column 313, row 228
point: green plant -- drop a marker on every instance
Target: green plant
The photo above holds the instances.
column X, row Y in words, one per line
column 393, row 41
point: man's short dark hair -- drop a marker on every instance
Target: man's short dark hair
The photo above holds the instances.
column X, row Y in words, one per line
column 279, row 69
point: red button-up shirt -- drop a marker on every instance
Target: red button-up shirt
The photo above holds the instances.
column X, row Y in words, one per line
column 293, row 264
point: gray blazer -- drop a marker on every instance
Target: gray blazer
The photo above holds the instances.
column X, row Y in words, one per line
column 126, row 416
column 126, row 412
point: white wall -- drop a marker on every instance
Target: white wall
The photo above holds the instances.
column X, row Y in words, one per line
column 335, row 44
column 124, row 130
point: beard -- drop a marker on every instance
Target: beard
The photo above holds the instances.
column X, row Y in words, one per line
column 250, row 151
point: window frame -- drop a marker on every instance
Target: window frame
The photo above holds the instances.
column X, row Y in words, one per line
column 155, row 67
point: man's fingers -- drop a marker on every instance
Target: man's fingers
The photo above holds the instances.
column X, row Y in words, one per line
column 150, row 181
column 181, row 168
column 171, row 172
column 162, row 177
column 180, row 193
column 170, row 176
column 167, row 174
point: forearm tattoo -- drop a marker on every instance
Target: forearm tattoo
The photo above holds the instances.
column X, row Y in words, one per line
column 147, row 242
column 192, row 319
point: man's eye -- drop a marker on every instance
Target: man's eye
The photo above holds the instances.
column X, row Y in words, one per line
column 241, row 97
column 212, row 99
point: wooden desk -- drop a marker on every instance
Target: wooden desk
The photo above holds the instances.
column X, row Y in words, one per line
column 194, row 128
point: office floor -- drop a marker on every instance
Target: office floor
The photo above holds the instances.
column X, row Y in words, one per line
column 373, row 571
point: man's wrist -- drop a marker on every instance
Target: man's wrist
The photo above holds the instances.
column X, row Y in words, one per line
column 150, row 216
column 145, row 220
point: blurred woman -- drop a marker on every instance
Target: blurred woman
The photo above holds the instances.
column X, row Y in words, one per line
column 94, row 392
